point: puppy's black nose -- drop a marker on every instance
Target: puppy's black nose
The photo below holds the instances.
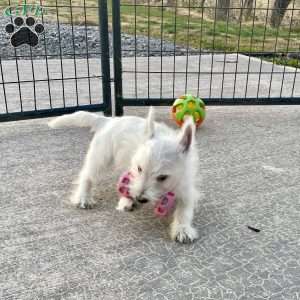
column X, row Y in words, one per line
column 142, row 200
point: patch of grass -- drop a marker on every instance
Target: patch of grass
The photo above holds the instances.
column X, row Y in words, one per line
column 62, row 11
column 295, row 63
column 207, row 34
column 194, row 31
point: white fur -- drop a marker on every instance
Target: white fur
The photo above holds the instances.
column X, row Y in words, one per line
column 124, row 204
column 149, row 150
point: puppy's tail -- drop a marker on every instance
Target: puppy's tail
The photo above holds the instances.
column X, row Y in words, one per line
column 79, row 119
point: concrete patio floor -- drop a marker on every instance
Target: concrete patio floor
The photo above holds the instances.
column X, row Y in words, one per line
column 250, row 159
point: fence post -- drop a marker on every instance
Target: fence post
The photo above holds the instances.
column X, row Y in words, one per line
column 117, row 57
column 105, row 63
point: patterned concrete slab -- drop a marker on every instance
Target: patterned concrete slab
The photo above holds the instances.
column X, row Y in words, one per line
column 209, row 75
column 250, row 164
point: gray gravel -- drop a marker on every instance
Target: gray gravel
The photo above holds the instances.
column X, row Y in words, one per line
column 63, row 40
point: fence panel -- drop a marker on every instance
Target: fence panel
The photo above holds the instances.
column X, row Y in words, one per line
column 52, row 59
column 227, row 52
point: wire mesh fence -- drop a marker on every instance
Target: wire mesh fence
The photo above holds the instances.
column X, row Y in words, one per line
column 55, row 55
column 50, row 58
column 228, row 52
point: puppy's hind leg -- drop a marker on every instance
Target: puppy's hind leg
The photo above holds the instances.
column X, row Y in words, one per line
column 96, row 162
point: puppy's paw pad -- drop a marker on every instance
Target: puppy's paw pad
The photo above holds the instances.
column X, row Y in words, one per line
column 184, row 235
column 125, row 204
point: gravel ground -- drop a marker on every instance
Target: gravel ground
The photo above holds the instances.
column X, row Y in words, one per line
column 60, row 42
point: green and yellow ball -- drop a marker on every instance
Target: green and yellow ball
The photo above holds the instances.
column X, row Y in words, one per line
column 188, row 105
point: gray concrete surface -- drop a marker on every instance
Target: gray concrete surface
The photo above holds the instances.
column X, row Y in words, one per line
column 250, row 164
column 211, row 82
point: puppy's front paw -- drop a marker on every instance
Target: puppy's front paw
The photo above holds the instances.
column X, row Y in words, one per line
column 82, row 201
column 125, row 204
column 183, row 233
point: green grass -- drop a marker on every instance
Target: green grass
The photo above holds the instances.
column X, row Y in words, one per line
column 195, row 31
column 284, row 61
column 207, row 33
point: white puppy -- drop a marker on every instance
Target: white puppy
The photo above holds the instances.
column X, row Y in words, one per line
column 160, row 159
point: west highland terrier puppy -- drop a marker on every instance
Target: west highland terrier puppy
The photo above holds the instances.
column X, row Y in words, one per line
column 160, row 159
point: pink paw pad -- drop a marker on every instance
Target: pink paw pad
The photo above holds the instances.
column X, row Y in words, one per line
column 123, row 185
column 165, row 204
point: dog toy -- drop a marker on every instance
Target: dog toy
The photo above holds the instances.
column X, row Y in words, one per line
column 123, row 185
column 163, row 205
column 188, row 105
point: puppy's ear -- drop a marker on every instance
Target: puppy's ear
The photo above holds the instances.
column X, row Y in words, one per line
column 150, row 130
column 186, row 135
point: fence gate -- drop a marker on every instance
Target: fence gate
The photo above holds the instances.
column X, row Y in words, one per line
column 55, row 55
column 227, row 52
column 51, row 60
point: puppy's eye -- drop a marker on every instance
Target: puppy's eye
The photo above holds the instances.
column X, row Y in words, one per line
column 140, row 169
column 162, row 178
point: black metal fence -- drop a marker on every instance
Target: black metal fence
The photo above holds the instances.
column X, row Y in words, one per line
column 225, row 51
column 57, row 56
column 53, row 59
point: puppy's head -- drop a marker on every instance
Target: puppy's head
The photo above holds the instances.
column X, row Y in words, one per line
column 159, row 164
